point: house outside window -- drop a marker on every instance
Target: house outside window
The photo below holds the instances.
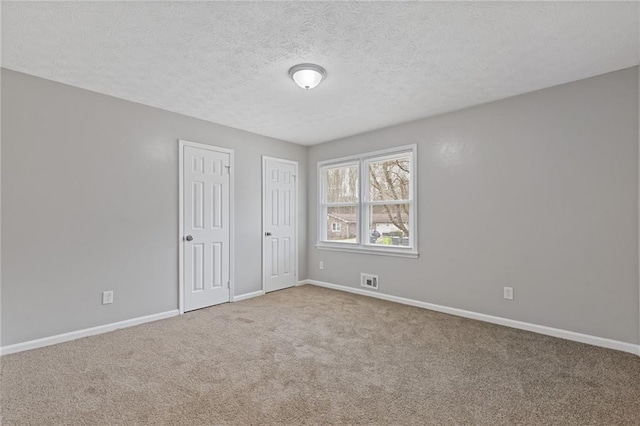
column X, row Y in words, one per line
column 368, row 203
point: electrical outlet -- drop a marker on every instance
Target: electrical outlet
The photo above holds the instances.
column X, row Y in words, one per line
column 107, row 297
column 508, row 293
column 321, row 265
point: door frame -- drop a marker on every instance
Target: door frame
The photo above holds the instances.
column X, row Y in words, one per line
column 295, row 226
column 181, row 145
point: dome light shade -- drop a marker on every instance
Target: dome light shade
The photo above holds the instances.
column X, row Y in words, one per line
column 307, row 76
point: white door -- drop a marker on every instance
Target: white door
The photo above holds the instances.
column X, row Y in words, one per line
column 279, row 219
column 206, row 227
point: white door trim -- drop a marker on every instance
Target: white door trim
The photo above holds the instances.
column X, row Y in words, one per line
column 181, row 144
column 265, row 158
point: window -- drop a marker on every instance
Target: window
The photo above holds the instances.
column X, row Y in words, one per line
column 340, row 201
column 367, row 203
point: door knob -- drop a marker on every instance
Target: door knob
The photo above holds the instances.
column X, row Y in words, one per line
column 188, row 238
column 268, row 234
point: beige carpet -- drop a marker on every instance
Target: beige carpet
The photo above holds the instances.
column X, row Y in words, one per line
column 315, row 356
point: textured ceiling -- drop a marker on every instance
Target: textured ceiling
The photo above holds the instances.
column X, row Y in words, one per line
column 387, row 63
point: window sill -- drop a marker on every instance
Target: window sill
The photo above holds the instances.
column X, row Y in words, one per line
column 409, row 253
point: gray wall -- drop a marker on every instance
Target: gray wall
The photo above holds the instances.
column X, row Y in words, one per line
column 90, row 203
column 538, row 192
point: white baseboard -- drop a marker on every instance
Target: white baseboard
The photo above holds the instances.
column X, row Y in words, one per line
column 541, row 329
column 248, row 295
column 73, row 335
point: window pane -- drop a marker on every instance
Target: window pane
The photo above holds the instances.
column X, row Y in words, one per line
column 341, row 184
column 389, row 224
column 389, row 179
column 342, row 224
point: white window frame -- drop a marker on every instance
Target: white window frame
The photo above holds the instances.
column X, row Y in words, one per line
column 363, row 245
column 336, row 227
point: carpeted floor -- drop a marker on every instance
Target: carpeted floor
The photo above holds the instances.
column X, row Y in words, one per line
column 310, row 355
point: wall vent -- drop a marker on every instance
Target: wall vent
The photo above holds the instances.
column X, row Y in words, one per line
column 369, row 281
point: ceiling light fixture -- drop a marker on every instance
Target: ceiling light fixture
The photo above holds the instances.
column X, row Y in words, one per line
column 307, row 76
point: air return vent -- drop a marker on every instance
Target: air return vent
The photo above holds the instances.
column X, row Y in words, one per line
column 369, row 281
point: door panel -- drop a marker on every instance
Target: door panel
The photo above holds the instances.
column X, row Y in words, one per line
column 279, row 181
column 206, row 204
column 197, row 265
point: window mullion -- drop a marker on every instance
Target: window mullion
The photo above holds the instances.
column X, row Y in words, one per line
column 364, row 187
column 323, row 230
